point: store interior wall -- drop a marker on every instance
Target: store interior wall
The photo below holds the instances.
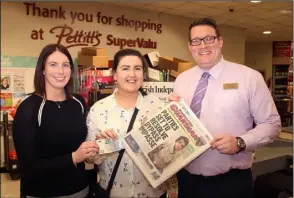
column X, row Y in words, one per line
column 234, row 43
column 259, row 56
column 173, row 41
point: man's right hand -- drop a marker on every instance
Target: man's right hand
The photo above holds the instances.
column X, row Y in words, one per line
column 174, row 97
column 86, row 150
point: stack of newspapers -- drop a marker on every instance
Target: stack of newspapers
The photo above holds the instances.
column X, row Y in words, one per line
column 165, row 143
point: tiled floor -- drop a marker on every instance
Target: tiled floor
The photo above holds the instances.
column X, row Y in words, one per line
column 9, row 187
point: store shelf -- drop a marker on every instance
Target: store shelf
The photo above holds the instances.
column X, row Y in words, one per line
column 278, row 77
column 281, row 86
column 282, row 91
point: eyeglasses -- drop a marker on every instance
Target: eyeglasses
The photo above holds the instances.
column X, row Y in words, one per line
column 207, row 40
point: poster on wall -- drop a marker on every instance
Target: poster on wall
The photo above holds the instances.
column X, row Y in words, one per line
column 18, row 83
column 282, row 49
column 6, row 101
column 5, row 83
column 17, row 80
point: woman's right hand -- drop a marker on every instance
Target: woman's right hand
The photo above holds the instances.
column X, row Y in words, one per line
column 174, row 97
column 86, row 150
column 108, row 134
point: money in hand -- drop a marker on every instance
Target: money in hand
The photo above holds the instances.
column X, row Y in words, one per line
column 109, row 145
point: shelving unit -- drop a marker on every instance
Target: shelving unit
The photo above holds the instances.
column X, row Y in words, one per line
column 282, row 92
column 94, row 83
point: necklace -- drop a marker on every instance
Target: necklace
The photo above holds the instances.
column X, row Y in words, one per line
column 58, row 104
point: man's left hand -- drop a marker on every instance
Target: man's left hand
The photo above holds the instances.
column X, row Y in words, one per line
column 225, row 143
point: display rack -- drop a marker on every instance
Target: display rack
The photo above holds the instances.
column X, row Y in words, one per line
column 282, row 92
column 94, row 83
column 11, row 162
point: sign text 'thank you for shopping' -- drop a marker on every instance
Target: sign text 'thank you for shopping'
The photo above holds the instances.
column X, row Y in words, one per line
column 70, row 37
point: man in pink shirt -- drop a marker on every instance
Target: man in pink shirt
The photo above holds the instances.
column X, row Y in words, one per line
column 228, row 98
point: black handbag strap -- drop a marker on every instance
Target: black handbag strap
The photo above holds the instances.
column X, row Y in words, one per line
column 121, row 152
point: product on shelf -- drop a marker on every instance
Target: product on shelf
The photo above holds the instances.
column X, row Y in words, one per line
column 283, row 92
column 94, row 74
column 175, row 66
column 91, row 56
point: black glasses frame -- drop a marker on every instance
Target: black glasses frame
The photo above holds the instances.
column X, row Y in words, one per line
column 203, row 39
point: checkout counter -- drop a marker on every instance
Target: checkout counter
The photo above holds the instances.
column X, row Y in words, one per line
column 274, row 156
column 273, row 167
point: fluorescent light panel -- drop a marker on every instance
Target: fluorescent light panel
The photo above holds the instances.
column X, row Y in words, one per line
column 267, row 32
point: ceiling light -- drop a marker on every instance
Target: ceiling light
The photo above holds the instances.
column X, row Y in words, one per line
column 267, row 32
column 255, row 1
column 285, row 11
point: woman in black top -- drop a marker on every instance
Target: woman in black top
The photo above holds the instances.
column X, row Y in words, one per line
column 49, row 131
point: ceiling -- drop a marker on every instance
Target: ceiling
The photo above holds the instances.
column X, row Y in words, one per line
column 254, row 18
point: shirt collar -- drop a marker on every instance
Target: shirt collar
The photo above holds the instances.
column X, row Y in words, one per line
column 214, row 71
column 138, row 105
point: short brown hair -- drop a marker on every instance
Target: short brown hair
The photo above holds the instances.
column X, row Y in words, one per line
column 205, row 21
column 39, row 80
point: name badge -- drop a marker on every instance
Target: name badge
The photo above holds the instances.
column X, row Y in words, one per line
column 230, row 86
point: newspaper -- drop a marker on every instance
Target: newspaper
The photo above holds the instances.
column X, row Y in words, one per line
column 167, row 142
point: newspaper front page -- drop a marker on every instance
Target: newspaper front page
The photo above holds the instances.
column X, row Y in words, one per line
column 167, row 142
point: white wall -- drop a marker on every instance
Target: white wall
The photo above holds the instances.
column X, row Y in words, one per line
column 234, row 44
column 259, row 56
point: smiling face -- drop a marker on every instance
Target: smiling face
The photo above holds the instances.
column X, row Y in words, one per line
column 180, row 144
column 206, row 55
column 57, row 71
column 5, row 82
column 129, row 74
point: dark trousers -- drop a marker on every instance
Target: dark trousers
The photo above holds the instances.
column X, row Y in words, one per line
column 233, row 184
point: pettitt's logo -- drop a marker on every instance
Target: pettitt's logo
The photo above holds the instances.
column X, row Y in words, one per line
column 70, row 38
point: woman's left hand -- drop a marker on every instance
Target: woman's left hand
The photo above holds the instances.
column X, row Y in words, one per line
column 108, row 134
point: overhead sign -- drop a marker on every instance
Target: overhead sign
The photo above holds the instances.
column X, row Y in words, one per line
column 70, row 37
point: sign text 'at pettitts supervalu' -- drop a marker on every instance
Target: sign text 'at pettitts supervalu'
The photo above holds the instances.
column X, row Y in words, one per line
column 70, row 37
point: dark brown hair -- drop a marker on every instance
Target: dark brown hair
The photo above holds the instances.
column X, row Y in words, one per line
column 39, row 79
column 4, row 79
column 131, row 52
column 205, row 21
column 184, row 138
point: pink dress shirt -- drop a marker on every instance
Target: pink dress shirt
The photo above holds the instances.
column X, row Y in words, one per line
column 232, row 111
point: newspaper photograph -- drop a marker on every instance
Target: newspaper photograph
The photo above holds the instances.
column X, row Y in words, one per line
column 167, row 142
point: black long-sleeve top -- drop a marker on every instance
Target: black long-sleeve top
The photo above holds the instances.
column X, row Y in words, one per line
column 45, row 151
